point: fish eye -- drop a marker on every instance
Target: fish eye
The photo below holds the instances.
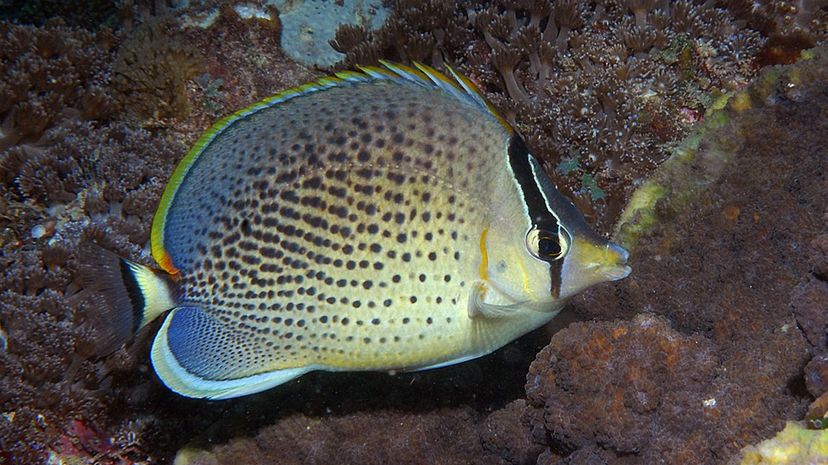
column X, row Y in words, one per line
column 547, row 245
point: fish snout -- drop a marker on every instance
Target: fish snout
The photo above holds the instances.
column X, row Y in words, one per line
column 616, row 262
column 592, row 260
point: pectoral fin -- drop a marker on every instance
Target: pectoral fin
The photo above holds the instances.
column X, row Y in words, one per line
column 480, row 309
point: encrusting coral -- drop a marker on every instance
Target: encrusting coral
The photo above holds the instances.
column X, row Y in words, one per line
column 636, row 387
column 724, row 259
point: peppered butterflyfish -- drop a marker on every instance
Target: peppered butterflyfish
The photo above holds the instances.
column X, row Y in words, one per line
column 380, row 219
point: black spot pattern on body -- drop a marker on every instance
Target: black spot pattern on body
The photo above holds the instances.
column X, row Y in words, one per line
column 303, row 221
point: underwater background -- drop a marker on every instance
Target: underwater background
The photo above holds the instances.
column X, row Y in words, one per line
column 693, row 132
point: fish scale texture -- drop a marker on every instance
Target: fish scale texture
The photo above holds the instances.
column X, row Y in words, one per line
column 341, row 228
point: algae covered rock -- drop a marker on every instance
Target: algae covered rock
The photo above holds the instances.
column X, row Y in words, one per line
column 308, row 26
column 793, row 445
column 699, row 160
column 727, row 248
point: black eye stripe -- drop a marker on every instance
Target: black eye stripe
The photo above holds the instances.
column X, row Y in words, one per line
column 532, row 195
column 539, row 214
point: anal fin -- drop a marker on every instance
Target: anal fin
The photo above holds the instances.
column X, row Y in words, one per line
column 197, row 355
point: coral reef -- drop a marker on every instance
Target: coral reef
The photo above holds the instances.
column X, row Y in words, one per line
column 636, row 387
column 639, row 389
column 446, row 435
column 97, row 108
column 150, row 72
column 75, row 167
column 703, row 262
column 93, row 183
column 599, row 89
column 231, row 77
column 506, row 437
column 50, row 73
column 809, row 302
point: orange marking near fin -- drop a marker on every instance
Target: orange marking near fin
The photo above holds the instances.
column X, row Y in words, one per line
column 484, row 256
column 166, row 263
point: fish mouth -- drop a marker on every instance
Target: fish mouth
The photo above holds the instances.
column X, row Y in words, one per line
column 617, row 273
column 618, row 256
column 592, row 261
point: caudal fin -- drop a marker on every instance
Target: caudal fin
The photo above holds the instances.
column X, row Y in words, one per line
column 127, row 295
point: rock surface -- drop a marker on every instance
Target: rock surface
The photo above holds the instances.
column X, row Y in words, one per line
column 741, row 309
column 308, row 26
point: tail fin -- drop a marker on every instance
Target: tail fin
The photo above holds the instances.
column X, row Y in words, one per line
column 128, row 295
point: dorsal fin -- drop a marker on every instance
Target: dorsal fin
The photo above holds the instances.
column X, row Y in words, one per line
column 458, row 86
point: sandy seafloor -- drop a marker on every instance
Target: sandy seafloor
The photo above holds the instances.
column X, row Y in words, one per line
column 717, row 340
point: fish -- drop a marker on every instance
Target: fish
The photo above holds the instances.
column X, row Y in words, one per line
column 386, row 218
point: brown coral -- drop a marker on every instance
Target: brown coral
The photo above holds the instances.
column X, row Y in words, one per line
column 704, row 267
column 49, row 74
column 150, row 74
column 634, row 387
column 441, row 437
